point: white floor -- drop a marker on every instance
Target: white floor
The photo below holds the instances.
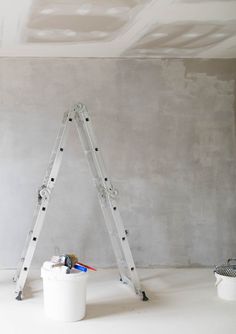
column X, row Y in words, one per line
column 181, row 301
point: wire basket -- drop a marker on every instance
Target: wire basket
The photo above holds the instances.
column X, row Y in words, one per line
column 227, row 269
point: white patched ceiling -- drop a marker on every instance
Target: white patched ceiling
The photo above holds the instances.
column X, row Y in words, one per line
column 118, row 28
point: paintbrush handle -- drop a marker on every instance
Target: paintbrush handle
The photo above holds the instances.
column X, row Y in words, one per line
column 84, row 265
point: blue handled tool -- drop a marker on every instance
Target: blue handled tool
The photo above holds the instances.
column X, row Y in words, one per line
column 81, row 268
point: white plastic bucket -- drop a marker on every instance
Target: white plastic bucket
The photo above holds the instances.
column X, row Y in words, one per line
column 64, row 294
column 226, row 287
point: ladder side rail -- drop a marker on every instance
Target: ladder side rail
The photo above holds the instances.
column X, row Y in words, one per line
column 52, row 173
column 98, row 161
column 102, row 196
column 88, row 150
column 124, row 243
column 26, row 244
column 59, row 150
column 23, row 272
column 58, row 142
column 115, row 245
column 121, row 260
column 94, row 156
column 83, row 115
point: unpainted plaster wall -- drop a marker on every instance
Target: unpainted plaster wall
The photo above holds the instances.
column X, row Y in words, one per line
column 167, row 131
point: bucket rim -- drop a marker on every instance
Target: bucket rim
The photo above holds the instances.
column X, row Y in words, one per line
column 73, row 276
column 224, row 276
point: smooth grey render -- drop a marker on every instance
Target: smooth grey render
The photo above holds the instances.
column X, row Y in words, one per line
column 167, row 133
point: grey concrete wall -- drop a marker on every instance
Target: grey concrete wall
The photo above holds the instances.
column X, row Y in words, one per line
column 167, row 130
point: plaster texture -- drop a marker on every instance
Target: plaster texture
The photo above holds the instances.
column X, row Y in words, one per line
column 167, row 133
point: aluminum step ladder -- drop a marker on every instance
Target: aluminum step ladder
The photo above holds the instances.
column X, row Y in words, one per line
column 107, row 198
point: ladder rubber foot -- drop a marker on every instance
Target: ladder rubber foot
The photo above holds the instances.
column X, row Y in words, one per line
column 19, row 296
column 145, row 298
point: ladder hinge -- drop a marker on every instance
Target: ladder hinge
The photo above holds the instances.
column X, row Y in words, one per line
column 112, row 192
column 43, row 193
column 102, row 193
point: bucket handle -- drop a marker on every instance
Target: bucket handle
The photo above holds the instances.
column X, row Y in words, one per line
column 218, row 280
column 230, row 260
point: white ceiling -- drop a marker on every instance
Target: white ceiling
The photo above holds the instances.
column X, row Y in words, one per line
column 118, row 28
